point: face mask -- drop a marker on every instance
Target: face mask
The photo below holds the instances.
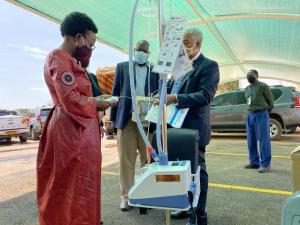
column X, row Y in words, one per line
column 251, row 79
column 190, row 51
column 85, row 63
column 83, row 54
column 140, row 57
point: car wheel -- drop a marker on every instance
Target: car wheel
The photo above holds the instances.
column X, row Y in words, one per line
column 23, row 138
column 275, row 129
column 291, row 130
column 8, row 140
column 33, row 134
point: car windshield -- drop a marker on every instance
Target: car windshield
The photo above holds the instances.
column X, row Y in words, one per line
column 8, row 113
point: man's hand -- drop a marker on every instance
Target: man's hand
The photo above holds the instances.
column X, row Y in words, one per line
column 171, row 99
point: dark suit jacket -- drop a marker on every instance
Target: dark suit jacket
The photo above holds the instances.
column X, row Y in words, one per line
column 95, row 88
column 95, row 85
column 121, row 87
column 196, row 92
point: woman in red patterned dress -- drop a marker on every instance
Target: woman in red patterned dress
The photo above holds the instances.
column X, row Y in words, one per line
column 69, row 155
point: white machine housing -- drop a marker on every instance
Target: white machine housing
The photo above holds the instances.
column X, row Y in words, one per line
column 165, row 187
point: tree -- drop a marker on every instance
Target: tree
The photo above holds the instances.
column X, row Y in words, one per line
column 26, row 112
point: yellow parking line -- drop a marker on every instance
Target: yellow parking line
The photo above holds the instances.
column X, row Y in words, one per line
column 227, row 186
column 245, row 141
column 110, row 173
column 244, row 188
column 286, row 143
column 294, row 135
column 241, row 154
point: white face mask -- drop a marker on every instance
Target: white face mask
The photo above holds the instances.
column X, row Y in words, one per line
column 141, row 57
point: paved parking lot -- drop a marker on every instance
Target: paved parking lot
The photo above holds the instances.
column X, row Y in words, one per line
column 236, row 196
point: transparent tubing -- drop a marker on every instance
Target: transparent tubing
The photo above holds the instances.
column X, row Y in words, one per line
column 163, row 94
column 131, row 76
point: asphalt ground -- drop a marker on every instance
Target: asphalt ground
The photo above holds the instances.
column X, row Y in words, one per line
column 236, row 196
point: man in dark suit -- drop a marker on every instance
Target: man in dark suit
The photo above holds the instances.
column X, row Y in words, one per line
column 195, row 90
column 128, row 136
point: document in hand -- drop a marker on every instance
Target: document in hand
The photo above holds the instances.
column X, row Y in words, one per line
column 175, row 116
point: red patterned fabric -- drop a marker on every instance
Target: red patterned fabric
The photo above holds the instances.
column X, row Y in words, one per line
column 69, row 155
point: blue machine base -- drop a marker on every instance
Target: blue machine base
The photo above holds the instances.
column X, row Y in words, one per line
column 177, row 201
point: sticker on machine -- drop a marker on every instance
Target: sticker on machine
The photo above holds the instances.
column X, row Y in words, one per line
column 67, row 78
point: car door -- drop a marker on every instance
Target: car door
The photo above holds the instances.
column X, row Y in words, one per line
column 222, row 114
column 239, row 110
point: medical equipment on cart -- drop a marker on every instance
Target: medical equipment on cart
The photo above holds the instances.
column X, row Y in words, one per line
column 163, row 184
column 169, row 186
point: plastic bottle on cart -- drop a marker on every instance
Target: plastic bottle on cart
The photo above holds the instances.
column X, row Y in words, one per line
column 193, row 187
column 163, row 159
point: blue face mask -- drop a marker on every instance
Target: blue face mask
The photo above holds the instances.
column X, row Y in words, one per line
column 140, row 57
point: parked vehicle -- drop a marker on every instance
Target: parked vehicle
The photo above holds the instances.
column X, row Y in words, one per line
column 291, row 130
column 228, row 111
column 38, row 122
column 13, row 124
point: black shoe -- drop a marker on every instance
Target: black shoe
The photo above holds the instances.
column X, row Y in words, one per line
column 201, row 220
column 101, row 222
column 143, row 211
column 179, row 214
column 251, row 166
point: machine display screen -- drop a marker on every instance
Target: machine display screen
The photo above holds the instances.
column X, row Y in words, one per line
column 167, row 178
column 179, row 163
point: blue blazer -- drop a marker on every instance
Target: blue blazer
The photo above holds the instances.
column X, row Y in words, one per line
column 121, row 87
column 196, row 92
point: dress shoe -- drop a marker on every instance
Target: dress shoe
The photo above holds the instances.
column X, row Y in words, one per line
column 251, row 166
column 201, row 220
column 124, row 205
column 143, row 211
column 265, row 169
column 179, row 214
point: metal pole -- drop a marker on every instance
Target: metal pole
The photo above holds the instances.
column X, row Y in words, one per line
column 161, row 36
column 164, row 114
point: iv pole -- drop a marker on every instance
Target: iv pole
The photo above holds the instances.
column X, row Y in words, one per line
column 162, row 78
column 164, row 114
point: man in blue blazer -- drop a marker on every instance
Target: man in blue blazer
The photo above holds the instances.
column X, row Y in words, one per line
column 129, row 139
column 195, row 90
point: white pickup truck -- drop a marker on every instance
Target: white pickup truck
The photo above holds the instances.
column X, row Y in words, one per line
column 13, row 124
column 37, row 124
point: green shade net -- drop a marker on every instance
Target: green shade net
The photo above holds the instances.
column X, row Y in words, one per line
column 239, row 35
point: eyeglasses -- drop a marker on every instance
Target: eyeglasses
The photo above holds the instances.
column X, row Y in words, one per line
column 92, row 47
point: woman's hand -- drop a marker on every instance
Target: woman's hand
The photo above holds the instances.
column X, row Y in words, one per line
column 102, row 104
column 112, row 100
column 105, row 96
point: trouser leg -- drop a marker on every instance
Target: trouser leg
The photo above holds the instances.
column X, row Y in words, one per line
column 263, row 128
column 127, row 146
column 203, row 182
column 252, row 140
column 141, row 148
